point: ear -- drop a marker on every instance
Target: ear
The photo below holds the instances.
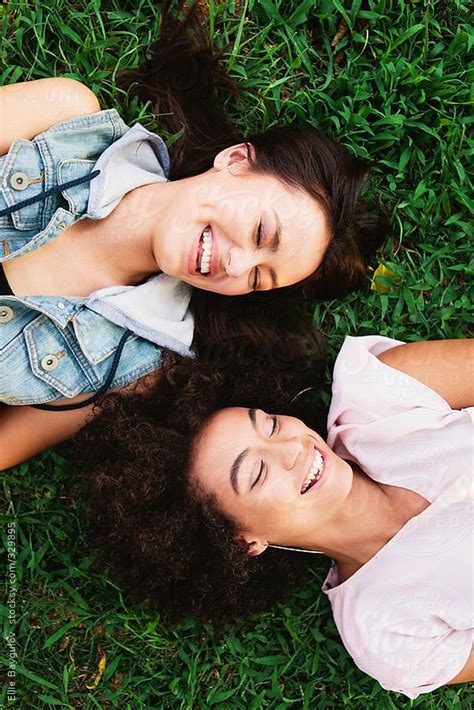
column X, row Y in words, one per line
column 234, row 154
column 252, row 546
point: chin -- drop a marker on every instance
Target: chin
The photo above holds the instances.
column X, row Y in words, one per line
column 348, row 475
column 194, row 281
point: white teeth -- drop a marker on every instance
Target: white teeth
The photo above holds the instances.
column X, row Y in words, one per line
column 206, row 251
column 314, row 472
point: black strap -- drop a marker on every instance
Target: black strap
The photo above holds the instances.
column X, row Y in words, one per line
column 5, row 288
column 47, row 193
column 120, row 346
column 102, row 390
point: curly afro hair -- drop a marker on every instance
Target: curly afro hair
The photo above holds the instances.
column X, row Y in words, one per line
column 162, row 542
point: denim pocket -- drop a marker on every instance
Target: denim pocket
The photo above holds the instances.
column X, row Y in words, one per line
column 22, row 175
column 14, row 316
column 139, row 357
column 23, row 377
column 78, row 195
column 97, row 337
column 40, row 362
column 53, row 360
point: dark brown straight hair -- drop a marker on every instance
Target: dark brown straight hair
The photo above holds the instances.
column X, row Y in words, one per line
column 189, row 89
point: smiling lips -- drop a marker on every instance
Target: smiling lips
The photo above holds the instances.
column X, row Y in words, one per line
column 315, row 472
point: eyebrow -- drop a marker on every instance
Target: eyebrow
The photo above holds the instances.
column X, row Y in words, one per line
column 274, row 246
column 234, row 471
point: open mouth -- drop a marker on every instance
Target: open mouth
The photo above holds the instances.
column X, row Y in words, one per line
column 204, row 252
column 315, row 472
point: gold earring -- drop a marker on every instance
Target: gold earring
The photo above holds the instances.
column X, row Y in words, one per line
column 230, row 171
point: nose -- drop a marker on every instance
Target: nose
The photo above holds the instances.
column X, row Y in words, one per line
column 239, row 262
column 290, row 451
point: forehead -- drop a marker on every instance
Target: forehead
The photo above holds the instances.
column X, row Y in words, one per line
column 223, row 432
column 226, row 434
column 293, row 206
column 303, row 229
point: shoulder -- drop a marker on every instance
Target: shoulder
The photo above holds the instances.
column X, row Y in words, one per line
column 359, row 375
column 65, row 88
column 357, row 354
column 69, row 97
column 31, row 107
column 382, row 377
column 444, row 366
column 399, row 430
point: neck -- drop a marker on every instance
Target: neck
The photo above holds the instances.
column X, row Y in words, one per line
column 366, row 523
column 148, row 208
column 132, row 222
column 137, row 224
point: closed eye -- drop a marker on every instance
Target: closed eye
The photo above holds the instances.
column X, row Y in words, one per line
column 259, row 475
column 258, row 241
column 273, row 247
column 262, row 465
column 274, row 428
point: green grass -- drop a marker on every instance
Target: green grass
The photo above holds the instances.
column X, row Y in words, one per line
column 395, row 89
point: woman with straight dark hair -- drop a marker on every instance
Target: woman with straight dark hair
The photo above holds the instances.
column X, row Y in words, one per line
column 102, row 232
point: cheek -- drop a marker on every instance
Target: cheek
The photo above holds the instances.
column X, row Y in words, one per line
column 278, row 498
column 341, row 482
column 226, row 286
column 262, row 510
column 235, row 213
column 179, row 221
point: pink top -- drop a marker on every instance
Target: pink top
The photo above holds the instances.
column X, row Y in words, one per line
column 406, row 616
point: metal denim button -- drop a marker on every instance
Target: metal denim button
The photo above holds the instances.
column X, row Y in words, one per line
column 19, row 181
column 49, row 362
column 6, row 314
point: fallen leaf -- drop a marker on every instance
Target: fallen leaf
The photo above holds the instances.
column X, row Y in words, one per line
column 342, row 30
column 380, row 286
column 100, row 670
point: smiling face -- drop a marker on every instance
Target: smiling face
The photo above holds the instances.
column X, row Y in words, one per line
column 277, row 479
column 233, row 231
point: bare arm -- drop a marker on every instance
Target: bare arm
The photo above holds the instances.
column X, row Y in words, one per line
column 30, row 107
column 446, row 366
column 467, row 673
column 26, row 431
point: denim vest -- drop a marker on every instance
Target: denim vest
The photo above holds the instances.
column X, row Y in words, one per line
column 53, row 347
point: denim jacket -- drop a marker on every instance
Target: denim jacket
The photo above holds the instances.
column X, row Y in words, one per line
column 53, row 347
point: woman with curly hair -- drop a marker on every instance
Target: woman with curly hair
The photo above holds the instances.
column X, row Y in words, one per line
column 192, row 491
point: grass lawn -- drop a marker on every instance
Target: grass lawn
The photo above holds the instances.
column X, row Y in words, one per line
column 390, row 79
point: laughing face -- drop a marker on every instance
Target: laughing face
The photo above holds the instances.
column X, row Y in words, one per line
column 277, row 479
column 233, row 231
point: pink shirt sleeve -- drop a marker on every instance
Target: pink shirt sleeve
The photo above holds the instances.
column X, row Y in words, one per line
column 397, row 429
